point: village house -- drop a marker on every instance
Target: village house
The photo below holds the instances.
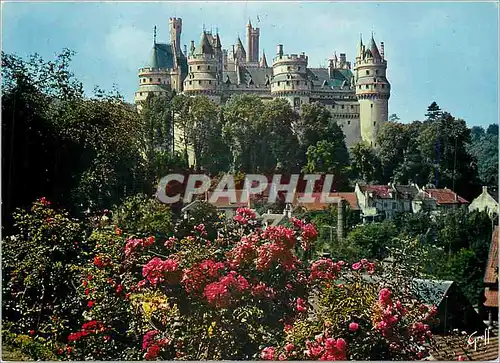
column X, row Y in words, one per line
column 437, row 200
column 486, row 201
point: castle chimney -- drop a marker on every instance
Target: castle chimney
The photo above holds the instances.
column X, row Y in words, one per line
column 342, row 59
column 192, row 46
column 185, row 49
column 382, row 49
column 340, row 220
column 279, row 50
column 330, row 68
column 485, row 189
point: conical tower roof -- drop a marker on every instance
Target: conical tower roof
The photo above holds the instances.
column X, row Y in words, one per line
column 240, row 49
column 204, row 46
column 161, row 56
column 263, row 61
column 374, row 49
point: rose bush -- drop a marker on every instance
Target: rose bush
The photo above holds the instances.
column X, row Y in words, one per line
column 241, row 293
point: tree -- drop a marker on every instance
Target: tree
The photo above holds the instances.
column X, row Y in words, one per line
column 373, row 239
column 484, row 148
column 242, row 116
column 278, row 121
column 492, row 129
column 433, row 112
column 394, row 118
column 365, row 163
column 392, row 141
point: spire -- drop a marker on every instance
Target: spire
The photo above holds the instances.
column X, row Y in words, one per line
column 374, row 50
column 154, row 35
column 263, row 61
column 249, row 25
column 217, row 41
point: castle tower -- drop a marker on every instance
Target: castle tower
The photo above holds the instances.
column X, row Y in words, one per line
column 202, row 78
column 253, row 35
column 290, row 78
column 155, row 78
column 175, row 33
column 372, row 90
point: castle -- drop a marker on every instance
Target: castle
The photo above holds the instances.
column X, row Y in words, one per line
column 357, row 100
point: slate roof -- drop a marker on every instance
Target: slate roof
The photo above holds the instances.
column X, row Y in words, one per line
column 491, row 273
column 374, row 49
column 319, row 75
column 431, row 291
column 445, row 196
column 204, row 46
column 161, row 56
column 406, row 191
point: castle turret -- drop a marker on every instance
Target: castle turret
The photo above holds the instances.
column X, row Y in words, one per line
column 263, row 61
column 372, row 90
column 202, row 78
column 253, row 35
column 290, row 78
column 175, row 33
column 155, row 76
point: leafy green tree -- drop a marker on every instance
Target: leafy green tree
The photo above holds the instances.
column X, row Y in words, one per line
column 433, row 112
column 392, row 141
column 365, row 163
column 492, row 129
column 394, row 118
column 484, row 148
column 243, row 134
column 278, row 121
column 373, row 239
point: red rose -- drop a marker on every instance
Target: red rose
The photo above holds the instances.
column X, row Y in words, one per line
column 32, row 332
column 90, row 304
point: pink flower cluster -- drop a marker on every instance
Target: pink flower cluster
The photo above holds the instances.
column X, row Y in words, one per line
column 420, row 332
column 198, row 276
column 157, row 271
column 308, row 232
column 268, row 353
column 280, row 235
column 44, row 201
column 364, row 263
column 244, row 215
column 134, row 244
column 244, row 252
column 325, row 348
column 270, row 253
column 152, row 345
column 201, row 228
column 262, row 290
column 90, row 327
column 220, row 293
column 301, row 305
column 325, row 269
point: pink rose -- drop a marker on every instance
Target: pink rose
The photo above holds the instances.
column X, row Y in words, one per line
column 353, row 326
column 356, row 266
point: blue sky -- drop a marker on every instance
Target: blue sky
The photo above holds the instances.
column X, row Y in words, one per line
column 437, row 51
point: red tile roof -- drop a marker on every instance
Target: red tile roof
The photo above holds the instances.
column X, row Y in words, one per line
column 350, row 198
column 491, row 274
column 445, row 196
column 379, row 191
column 451, row 346
column 491, row 298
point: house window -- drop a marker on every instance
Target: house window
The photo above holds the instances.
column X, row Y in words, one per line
column 394, row 205
column 296, row 102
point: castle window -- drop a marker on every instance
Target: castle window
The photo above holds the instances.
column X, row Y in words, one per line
column 352, row 106
column 349, row 122
column 208, row 67
column 376, row 71
column 209, row 82
column 342, row 106
column 278, row 84
column 140, row 93
column 159, row 79
column 374, row 123
column 366, row 86
column 287, row 83
column 288, row 68
column 197, row 68
column 298, row 83
column 367, row 73
column 299, row 68
column 190, row 68
column 371, row 105
column 190, row 82
column 151, row 80
column 383, row 86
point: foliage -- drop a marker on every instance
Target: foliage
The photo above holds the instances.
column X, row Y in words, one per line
column 38, row 271
column 484, row 148
column 365, row 164
column 373, row 239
